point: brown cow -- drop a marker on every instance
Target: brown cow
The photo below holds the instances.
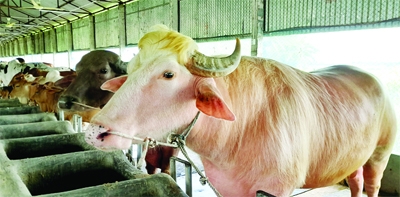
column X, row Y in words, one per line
column 46, row 95
column 5, row 92
column 20, row 84
column 92, row 70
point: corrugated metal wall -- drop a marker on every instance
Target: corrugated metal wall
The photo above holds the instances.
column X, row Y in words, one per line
column 39, row 44
column 106, row 29
column 141, row 15
column 10, row 48
column 81, row 34
column 207, row 19
column 16, row 47
column 61, row 37
column 30, row 45
column 21, row 44
column 50, row 41
column 215, row 18
column 290, row 14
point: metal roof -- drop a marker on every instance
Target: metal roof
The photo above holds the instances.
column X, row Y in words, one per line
column 23, row 17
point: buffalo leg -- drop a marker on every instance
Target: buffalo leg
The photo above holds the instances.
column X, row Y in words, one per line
column 167, row 153
column 373, row 170
column 150, row 168
column 153, row 158
column 158, row 157
column 356, row 182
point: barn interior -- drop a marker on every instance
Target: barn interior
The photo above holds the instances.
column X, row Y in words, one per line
column 304, row 34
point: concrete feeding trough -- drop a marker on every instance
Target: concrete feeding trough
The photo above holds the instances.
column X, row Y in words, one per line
column 26, row 118
column 10, row 103
column 25, row 109
column 35, row 129
column 32, row 147
column 13, row 106
column 40, row 156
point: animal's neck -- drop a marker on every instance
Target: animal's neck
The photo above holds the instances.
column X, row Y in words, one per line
column 207, row 140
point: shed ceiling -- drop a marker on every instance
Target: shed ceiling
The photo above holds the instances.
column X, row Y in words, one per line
column 23, row 17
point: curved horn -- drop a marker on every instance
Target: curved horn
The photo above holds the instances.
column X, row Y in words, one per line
column 205, row 66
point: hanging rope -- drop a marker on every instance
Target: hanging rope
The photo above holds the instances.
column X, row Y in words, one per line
column 180, row 141
column 144, row 152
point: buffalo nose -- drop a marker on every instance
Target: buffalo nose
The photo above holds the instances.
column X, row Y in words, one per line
column 66, row 102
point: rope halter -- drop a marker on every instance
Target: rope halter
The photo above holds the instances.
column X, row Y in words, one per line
column 174, row 140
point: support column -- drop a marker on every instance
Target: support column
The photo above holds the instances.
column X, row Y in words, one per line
column 122, row 28
column 258, row 26
column 92, row 34
column 54, row 46
column 69, row 42
column 174, row 14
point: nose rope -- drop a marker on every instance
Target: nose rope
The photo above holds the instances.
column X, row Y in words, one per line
column 151, row 143
column 80, row 104
column 83, row 105
column 176, row 141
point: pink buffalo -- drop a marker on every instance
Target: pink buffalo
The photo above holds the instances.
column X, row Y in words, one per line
column 263, row 125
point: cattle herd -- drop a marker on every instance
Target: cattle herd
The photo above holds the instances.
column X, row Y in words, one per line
column 34, row 86
column 73, row 91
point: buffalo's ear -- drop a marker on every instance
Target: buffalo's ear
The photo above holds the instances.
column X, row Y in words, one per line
column 114, row 84
column 210, row 102
column 65, row 81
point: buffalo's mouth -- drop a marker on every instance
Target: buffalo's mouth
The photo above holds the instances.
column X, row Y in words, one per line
column 96, row 133
column 103, row 138
column 103, row 133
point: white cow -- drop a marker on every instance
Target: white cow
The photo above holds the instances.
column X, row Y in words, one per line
column 263, row 125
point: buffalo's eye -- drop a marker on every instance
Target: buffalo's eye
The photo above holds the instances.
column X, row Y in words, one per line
column 103, row 71
column 168, row 75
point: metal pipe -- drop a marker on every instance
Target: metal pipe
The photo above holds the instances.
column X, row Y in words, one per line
column 61, row 115
column 77, row 123
column 138, row 152
column 129, row 154
column 188, row 173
